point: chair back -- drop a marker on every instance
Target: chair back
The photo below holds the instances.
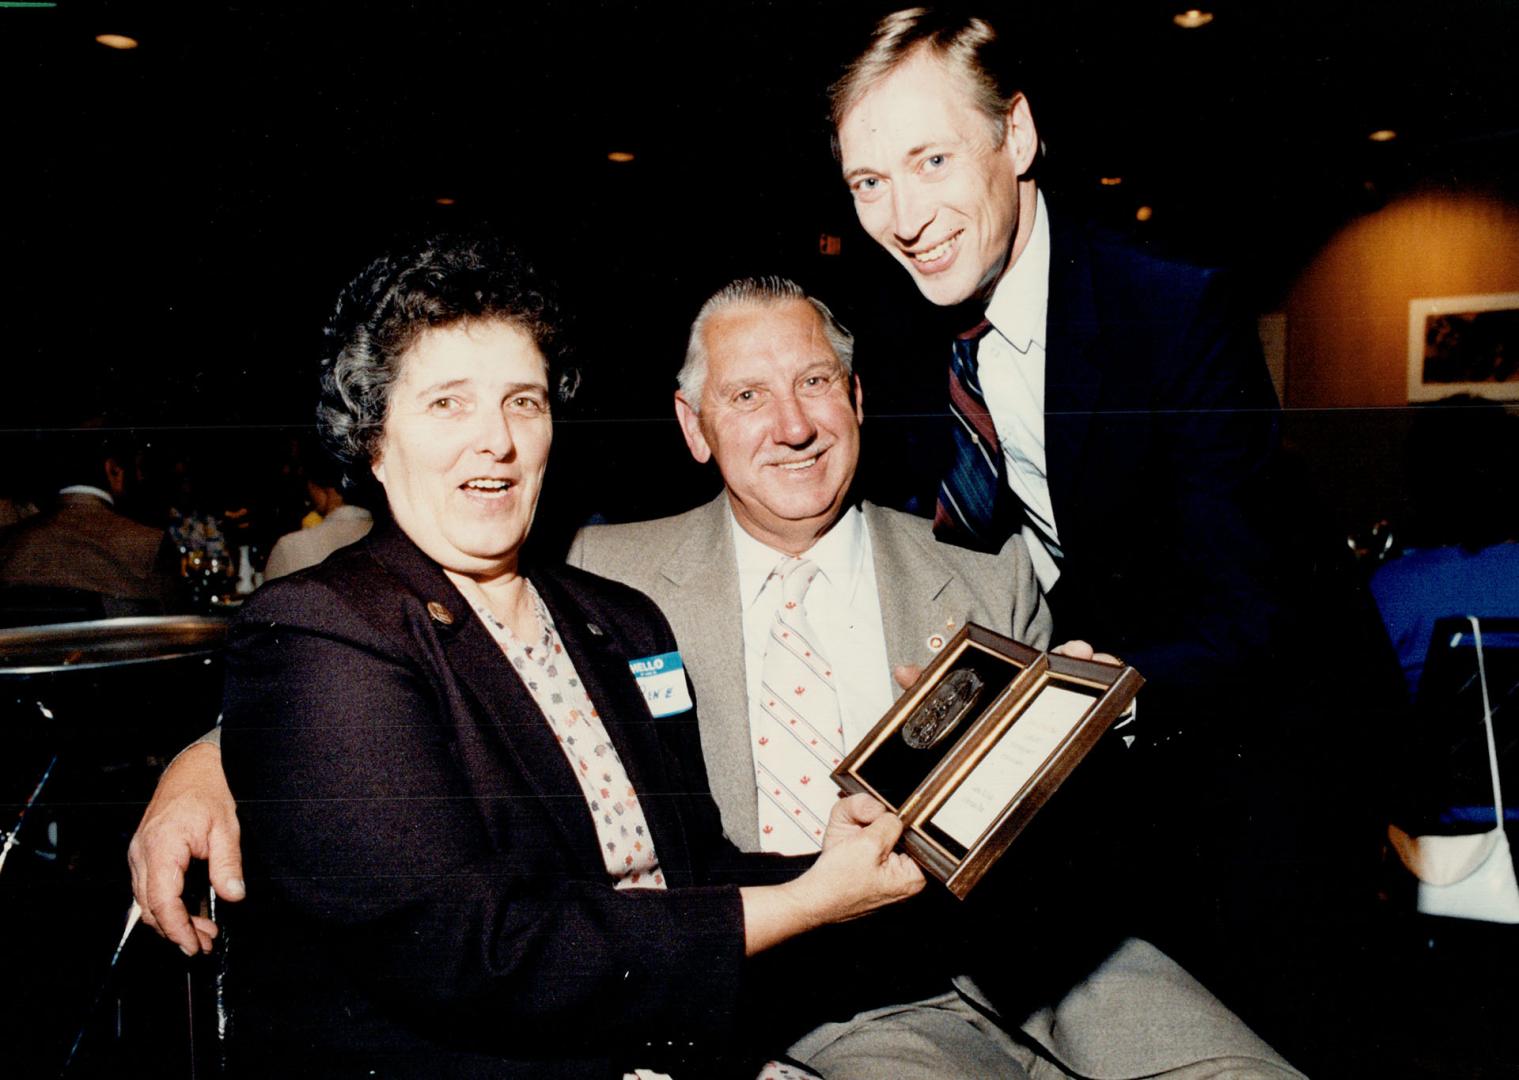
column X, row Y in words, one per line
column 1456, row 791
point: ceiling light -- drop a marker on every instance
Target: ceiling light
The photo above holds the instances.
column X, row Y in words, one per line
column 1144, row 213
column 116, row 41
column 1383, row 135
column 1192, row 18
column 445, row 200
column 622, row 157
column 1110, row 181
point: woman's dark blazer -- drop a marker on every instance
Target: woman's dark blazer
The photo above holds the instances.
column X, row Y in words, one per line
column 426, row 894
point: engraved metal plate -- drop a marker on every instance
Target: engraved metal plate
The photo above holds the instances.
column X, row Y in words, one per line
column 942, row 711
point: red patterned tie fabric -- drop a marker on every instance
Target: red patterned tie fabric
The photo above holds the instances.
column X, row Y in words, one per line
column 795, row 724
column 974, row 508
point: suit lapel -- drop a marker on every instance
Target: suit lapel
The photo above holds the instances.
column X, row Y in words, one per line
column 921, row 594
column 1072, row 379
column 701, row 579
column 472, row 657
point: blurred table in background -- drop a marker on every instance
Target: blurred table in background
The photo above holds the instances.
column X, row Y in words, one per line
column 97, row 708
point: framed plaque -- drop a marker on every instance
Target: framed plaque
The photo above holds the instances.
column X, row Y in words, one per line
column 969, row 755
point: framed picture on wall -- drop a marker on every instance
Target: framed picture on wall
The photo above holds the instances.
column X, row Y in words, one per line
column 1464, row 345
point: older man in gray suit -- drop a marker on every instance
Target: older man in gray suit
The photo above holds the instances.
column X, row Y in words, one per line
column 767, row 392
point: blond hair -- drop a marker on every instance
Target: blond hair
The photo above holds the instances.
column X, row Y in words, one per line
column 964, row 45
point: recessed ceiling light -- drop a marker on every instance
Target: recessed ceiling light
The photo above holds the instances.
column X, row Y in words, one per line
column 445, row 200
column 1383, row 135
column 116, row 41
column 1110, row 181
column 622, row 157
column 1144, row 213
column 1192, row 18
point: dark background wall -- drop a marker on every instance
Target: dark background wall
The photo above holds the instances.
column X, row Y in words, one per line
column 177, row 217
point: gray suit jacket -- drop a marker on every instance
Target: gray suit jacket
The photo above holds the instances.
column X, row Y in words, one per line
column 685, row 563
column 84, row 544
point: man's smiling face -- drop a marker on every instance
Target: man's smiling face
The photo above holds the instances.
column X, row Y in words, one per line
column 931, row 182
column 781, row 416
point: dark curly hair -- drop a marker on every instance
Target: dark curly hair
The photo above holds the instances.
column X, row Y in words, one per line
column 444, row 280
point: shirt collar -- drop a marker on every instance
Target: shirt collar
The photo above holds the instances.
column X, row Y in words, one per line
column 839, row 554
column 88, row 489
column 1020, row 300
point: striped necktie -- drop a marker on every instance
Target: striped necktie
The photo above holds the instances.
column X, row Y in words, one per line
column 975, row 506
column 798, row 735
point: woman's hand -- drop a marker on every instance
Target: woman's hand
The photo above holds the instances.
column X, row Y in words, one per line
column 857, row 873
column 850, row 816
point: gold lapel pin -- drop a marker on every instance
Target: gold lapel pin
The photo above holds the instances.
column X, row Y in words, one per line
column 439, row 613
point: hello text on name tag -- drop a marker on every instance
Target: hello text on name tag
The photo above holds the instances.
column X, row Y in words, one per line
column 662, row 680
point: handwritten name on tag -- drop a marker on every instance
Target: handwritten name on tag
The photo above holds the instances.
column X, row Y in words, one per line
column 662, row 679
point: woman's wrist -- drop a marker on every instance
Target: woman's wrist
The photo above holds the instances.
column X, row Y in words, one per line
column 773, row 913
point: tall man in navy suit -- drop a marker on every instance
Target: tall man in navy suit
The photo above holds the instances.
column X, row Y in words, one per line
column 1134, row 416
column 1113, row 408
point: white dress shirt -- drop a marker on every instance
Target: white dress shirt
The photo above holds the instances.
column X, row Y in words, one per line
column 1011, row 366
column 843, row 608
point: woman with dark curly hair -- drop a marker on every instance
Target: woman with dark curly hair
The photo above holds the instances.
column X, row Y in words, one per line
column 477, row 850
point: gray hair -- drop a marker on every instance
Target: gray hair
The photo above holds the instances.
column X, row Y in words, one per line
column 966, row 46
column 768, row 291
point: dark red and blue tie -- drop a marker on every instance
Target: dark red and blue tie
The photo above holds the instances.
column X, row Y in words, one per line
column 975, row 506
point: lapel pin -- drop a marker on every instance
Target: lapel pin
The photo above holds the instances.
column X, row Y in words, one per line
column 935, row 642
column 439, row 613
column 594, row 629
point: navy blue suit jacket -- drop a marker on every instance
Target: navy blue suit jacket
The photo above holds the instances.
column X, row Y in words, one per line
column 1161, row 427
column 1249, row 790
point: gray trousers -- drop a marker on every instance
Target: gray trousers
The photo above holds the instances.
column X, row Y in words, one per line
column 1139, row 1014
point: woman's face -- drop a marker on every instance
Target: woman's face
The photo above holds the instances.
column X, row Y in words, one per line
column 465, row 444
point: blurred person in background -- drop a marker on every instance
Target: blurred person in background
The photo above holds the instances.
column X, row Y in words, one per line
column 1460, row 558
column 85, row 541
column 339, row 522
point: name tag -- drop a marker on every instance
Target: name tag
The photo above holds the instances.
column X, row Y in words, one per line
column 662, row 679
